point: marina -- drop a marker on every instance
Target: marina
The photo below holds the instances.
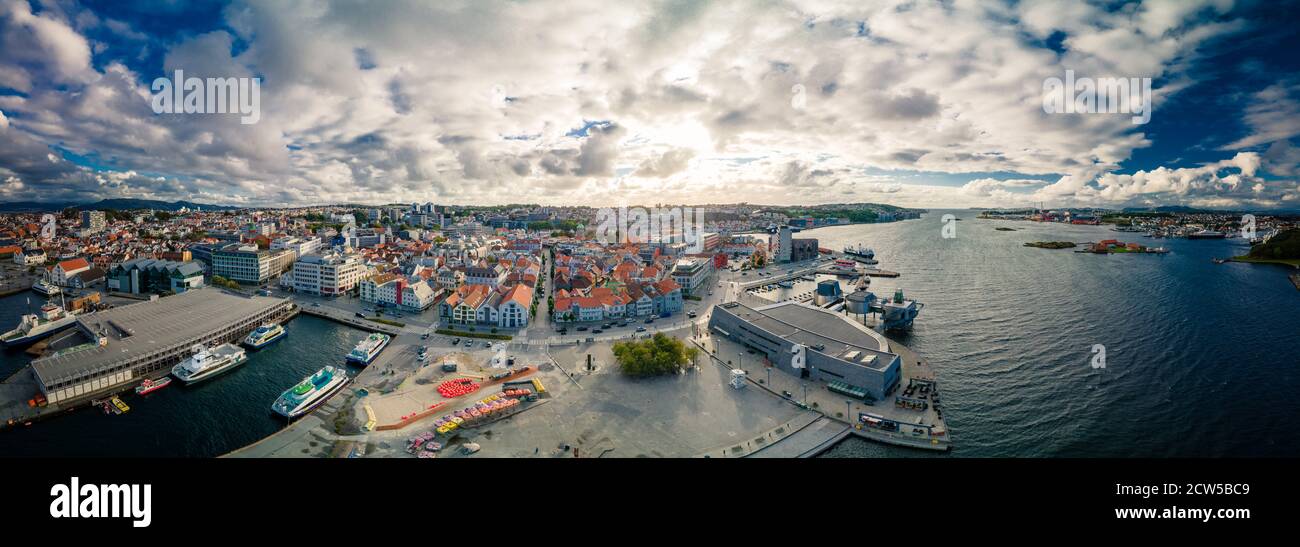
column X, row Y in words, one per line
column 207, row 420
column 125, row 345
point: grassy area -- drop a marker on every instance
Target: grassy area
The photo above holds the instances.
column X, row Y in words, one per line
column 488, row 335
column 1293, row 262
column 1051, row 244
column 398, row 324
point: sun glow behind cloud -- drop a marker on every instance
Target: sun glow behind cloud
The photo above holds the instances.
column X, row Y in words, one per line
column 918, row 103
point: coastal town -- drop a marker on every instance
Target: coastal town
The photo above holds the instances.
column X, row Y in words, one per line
column 527, row 298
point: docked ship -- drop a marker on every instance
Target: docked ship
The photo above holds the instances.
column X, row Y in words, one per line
column 46, row 288
column 311, row 392
column 1206, row 234
column 205, row 363
column 149, row 386
column 34, row 326
column 370, row 347
column 265, row 335
column 861, row 254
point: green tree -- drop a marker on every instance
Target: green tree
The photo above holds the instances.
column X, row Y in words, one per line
column 657, row 356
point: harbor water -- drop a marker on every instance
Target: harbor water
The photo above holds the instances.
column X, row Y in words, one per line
column 1201, row 359
column 207, row 419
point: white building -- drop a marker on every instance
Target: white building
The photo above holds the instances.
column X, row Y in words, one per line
column 300, row 246
column 29, row 257
column 397, row 291
column 327, row 274
column 692, row 273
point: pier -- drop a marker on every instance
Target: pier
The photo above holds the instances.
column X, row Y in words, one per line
column 340, row 316
column 128, row 344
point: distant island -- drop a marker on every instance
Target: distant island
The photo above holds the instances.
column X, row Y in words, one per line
column 1004, row 229
column 1051, row 244
column 1283, row 248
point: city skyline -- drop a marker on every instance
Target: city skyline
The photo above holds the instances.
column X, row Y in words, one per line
column 915, row 105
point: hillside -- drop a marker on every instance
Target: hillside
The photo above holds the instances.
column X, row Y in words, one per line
column 1283, row 246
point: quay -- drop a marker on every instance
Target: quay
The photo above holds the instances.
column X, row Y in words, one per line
column 129, row 344
column 341, row 316
column 859, row 379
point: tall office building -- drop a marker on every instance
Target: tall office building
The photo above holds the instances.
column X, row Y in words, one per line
column 93, row 222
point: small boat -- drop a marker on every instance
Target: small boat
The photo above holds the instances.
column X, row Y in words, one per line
column 149, row 386
column 120, row 406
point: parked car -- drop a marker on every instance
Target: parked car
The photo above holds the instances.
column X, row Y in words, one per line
column 582, row 328
column 596, row 331
column 315, row 304
column 359, row 314
column 455, row 341
column 640, row 329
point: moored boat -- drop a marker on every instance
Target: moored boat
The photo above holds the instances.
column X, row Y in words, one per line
column 149, row 386
column 265, row 335
column 311, row 392
column 33, row 327
column 46, row 288
column 368, row 349
column 205, row 363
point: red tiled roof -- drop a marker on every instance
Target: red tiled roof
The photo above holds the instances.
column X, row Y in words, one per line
column 74, row 264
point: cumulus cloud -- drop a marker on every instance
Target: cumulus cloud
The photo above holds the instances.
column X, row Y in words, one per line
column 670, row 162
column 784, row 102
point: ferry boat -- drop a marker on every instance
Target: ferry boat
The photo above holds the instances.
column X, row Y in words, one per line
column 265, row 335
column 370, row 347
column 311, row 392
column 46, row 288
column 33, row 326
column 149, row 386
column 861, row 254
column 207, row 363
column 1206, row 234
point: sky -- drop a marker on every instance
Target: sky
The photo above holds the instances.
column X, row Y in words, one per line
column 918, row 103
